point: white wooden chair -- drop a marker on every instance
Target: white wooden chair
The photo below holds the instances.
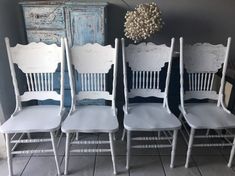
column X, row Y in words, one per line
column 198, row 65
column 38, row 62
column 91, row 63
column 146, row 62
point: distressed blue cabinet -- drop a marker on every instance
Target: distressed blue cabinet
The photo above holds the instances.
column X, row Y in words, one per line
column 81, row 23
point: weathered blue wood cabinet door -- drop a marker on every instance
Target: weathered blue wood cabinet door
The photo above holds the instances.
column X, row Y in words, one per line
column 81, row 23
column 87, row 24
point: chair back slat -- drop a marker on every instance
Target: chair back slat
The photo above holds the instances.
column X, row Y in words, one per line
column 151, row 80
column 99, row 81
column 158, row 78
column 154, row 80
column 31, row 81
column 28, row 83
column 93, row 81
column 145, row 79
column 201, row 81
column 36, row 81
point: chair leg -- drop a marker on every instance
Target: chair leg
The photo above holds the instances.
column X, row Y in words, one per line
column 123, row 134
column 181, row 117
column 57, row 133
column 9, row 156
column 67, row 146
column 207, row 132
column 28, row 135
column 59, row 141
column 192, row 132
column 232, row 154
column 77, row 136
column 111, row 138
column 128, row 149
column 174, row 142
column 159, row 134
column 55, row 152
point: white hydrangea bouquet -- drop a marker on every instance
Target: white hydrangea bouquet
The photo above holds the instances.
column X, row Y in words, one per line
column 143, row 22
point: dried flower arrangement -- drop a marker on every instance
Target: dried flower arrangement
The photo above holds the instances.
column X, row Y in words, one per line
column 143, row 22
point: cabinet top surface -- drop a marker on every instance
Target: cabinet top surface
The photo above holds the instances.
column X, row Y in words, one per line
column 65, row 2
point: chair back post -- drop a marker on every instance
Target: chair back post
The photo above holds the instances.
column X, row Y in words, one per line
column 182, row 76
column 62, row 75
column 13, row 75
column 165, row 103
column 71, row 77
column 115, row 76
column 124, row 76
column 222, row 83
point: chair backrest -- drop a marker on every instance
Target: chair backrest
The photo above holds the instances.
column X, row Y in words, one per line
column 202, row 61
column 146, row 61
column 92, row 63
column 38, row 62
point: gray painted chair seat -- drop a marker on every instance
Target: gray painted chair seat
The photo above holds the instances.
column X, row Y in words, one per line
column 149, row 117
column 208, row 116
column 38, row 118
column 91, row 119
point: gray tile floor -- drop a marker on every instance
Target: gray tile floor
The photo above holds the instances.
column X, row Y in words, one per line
column 204, row 162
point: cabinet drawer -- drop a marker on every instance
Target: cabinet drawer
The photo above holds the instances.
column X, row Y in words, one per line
column 48, row 37
column 43, row 17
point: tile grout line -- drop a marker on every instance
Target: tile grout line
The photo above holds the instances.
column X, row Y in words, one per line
column 160, row 157
column 192, row 157
column 45, row 156
column 62, row 163
column 31, row 155
column 224, row 155
column 26, row 165
column 162, row 165
column 94, row 166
